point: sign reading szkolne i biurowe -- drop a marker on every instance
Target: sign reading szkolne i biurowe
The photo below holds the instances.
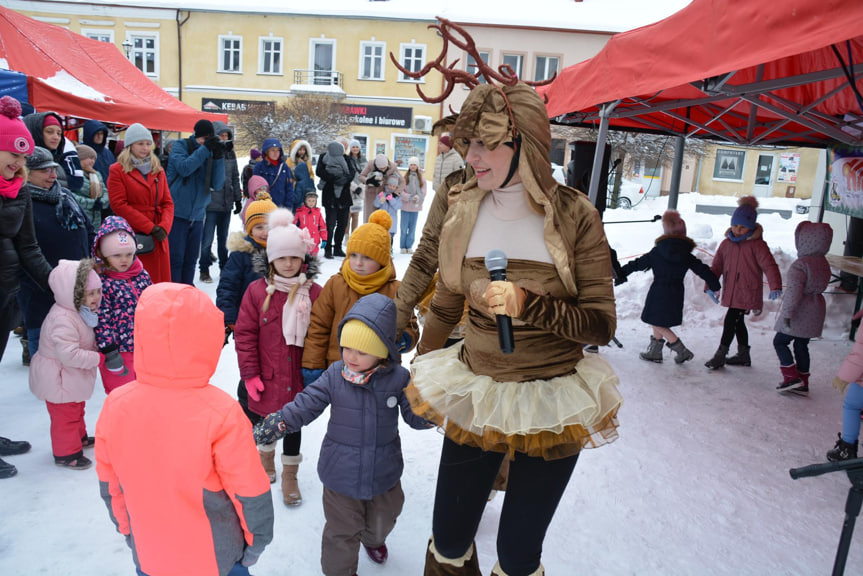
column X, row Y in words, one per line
column 845, row 181
column 382, row 116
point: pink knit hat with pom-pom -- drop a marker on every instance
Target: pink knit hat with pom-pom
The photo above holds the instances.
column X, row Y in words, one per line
column 285, row 239
column 14, row 135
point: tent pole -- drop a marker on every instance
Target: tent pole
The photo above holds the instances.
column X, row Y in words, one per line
column 601, row 137
column 676, row 170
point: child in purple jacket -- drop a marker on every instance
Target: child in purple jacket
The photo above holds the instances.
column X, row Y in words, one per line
column 360, row 463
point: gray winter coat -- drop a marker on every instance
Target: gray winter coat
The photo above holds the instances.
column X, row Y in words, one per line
column 361, row 455
column 803, row 307
column 222, row 200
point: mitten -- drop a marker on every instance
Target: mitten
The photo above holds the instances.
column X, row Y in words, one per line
column 381, row 196
column 249, row 557
column 270, row 429
column 504, row 298
column 405, row 342
column 389, row 197
column 714, row 295
column 774, row 294
column 229, row 329
column 621, row 278
column 158, row 233
column 254, row 386
column 238, row 206
column 114, row 362
column 311, row 374
column 212, row 143
column 323, row 244
column 840, row 384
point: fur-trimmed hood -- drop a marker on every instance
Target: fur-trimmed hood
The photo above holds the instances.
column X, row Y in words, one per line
column 295, row 147
column 68, row 281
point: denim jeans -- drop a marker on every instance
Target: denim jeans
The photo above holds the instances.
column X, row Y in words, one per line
column 408, row 229
column 215, row 226
column 185, row 244
column 851, row 413
column 801, row 351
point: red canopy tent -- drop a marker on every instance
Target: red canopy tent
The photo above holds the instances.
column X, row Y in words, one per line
column 76, row 76
column 754, row 72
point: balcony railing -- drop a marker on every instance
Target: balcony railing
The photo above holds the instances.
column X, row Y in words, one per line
column 318, row 77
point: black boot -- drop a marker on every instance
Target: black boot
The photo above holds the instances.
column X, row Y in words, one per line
column 7, row 470
column 718, row 360
column 741, row 358
column 328, row 252
column 842, row 451
column 13, row 447
column 25, row 352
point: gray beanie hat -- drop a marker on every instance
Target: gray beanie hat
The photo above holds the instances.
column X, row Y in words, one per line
column 356, row 143
column 135, row 133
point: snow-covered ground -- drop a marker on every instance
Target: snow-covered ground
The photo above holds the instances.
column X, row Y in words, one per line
column 698, row 482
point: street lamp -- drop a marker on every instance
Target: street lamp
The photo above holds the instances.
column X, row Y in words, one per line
column 127, row 46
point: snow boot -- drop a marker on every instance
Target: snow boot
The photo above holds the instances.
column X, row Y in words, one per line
column 654, row 351
column 718, row 360
column 791, row 379
column 498, row 571
column 205, row 276
column 437, row 565
column 13, row 447
column 290, row 488
column 803, row 389
column 842, row 451
column 377, row 555
column 328, row 252
column 7, row 470
column 76, row 461
column 25, row 352
column 268, row 460
column 681, row 352
column 741, row 358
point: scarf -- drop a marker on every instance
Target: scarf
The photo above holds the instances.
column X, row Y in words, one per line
column 68, row 212
column 730, row 235
column 142, row 164
column 90, row 318
column 297, row 311
column 136, row 268
column 359, row 377
column 364, row 285
column 9, row 188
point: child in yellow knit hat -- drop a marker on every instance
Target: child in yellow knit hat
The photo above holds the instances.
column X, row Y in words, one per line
column 367, row 269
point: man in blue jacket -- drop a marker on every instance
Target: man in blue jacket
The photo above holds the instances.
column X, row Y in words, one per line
column 196, row 167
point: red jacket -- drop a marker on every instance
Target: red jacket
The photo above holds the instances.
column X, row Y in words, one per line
column 261, row 348
column 742, row 266
column 312, row 220
column 134, row 198
column 176, row 459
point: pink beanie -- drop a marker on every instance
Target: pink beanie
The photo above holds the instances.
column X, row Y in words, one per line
column 116, row 242
column 93, row 281
column 285, row 239
column 14, row 135
column 255, row 184
column 673, row 224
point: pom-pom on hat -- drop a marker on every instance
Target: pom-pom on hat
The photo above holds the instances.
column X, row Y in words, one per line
column 746, row 213
column 204, row 128
column 358, row 335
column 285, row 238
column 137, row 133
column 257, row 211
column 14, row 135
column 372, row 239
column 673, row 224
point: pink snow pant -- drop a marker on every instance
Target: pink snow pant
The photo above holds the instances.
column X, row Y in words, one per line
column 67, row 427
column 112, row 381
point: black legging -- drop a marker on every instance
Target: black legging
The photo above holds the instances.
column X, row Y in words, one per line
column 337, row 224
column 291, row 442
column 465, row 478
column 735, row 326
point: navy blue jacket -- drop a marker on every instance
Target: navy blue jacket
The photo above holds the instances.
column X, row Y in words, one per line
column 239, row 271
column 670, row 260
column 187, row 178
column 279, row 177
column 104, row 156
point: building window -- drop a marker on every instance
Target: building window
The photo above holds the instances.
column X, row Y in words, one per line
column 514, row 61
column 729, row 165
column 372, row 60
column 230, row 54
column 270, row 60
column 99, row 35
column 545, row 67
column 322, row 62
column 413, row 58
column 471, row 66
column 145, row 52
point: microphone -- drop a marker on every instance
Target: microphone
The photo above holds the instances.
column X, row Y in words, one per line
column 495, row 263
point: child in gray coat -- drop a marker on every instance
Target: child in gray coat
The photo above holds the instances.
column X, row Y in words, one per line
column 803, row 309
column 360, row 464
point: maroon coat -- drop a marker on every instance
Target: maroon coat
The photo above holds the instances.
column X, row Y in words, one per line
column 261, row 348
column 742, row 266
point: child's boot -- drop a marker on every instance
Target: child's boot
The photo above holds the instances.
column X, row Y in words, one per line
column 654, row 350
column 290, row 488
column 437, row 565
column 268, row 460
column 681, row 352
column 718, row 360
column 842, row 451
column 498, row 571
column 741, row 358
column 803, row 388
column 791, row 379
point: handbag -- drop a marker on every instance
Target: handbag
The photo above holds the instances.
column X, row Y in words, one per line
column 145, row 243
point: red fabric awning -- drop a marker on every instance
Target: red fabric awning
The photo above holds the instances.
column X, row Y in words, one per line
column 76, row 76
column 758, row 71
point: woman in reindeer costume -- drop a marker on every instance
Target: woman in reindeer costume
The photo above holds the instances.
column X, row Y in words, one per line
column 540, row 405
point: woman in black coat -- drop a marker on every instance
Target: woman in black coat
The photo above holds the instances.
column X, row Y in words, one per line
column 337, row 173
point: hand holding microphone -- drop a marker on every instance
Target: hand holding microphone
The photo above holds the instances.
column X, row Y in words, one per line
column 505, row 299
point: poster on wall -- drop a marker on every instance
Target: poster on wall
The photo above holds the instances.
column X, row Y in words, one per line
column 407, row 145
column 789, row 164
column 729, row 164
column 845, row 181
column 380, row 148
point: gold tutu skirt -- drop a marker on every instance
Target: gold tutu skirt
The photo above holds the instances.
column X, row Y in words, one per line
column 552, row 419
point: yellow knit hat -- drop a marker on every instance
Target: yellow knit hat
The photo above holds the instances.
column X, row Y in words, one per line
column 357, row 335
column 372, row 239
column 257, row 211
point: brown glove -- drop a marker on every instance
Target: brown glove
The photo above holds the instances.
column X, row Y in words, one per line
column 158, row 233
column 840, row 384
column 504, row 298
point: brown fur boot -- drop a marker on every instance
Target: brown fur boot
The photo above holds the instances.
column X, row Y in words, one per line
column 437, row 565
column 290, row 488
column 268, row 460
column 498, row 571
